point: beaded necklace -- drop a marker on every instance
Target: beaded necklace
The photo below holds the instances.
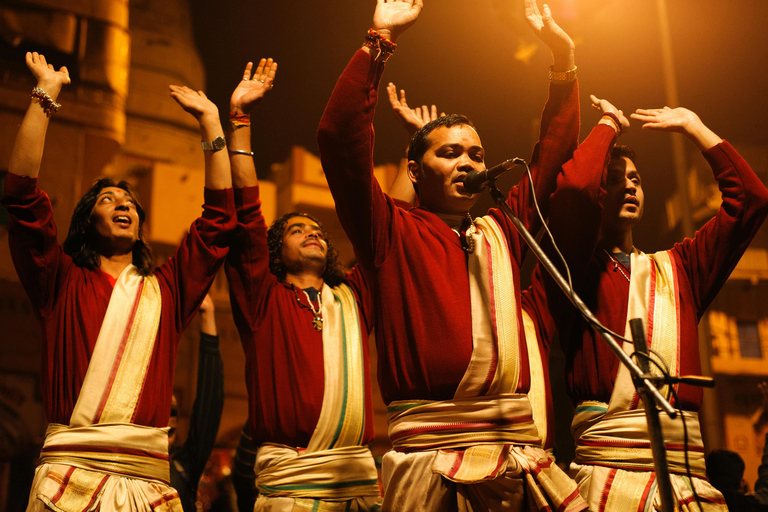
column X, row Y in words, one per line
column 617, row 265
column 317, row 321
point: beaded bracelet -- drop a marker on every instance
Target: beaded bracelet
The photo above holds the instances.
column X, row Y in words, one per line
column 49, row 106
column 385, row 47
column 613, row 117
column 239, row 120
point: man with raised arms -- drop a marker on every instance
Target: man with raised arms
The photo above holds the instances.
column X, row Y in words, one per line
column 304, row 325
column 110, row 321
column 669, row 290
column 453, row 364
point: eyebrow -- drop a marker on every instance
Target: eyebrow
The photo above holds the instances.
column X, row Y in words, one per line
column 303, row 225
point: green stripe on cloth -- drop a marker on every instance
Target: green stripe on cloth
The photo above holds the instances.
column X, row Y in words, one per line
column 331, row 485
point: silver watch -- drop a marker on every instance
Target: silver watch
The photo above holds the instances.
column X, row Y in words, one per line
column 216, row 144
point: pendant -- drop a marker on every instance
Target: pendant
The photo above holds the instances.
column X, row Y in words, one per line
column 318, row 323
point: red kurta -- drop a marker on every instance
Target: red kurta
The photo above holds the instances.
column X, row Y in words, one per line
column 71, row 301
column 283, row 351
column 703, row 264
column 412, row 258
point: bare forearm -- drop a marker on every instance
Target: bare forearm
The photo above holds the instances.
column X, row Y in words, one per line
column 243, row 169
column 217, row 171
column 702, row 136
column 28, row 149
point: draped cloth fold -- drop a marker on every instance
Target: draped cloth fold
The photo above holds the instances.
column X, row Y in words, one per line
column 613, row 463
column 101, row 461
column 481, row 450
column 334, row 470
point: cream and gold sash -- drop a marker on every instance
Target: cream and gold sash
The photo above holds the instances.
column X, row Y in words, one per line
column 334, row 466
column 537, row 394
column 494, row 365
column 120, row 359
column 653, row 297
column 80, row 461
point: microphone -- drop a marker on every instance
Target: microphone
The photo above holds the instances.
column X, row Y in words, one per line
column 476, row 181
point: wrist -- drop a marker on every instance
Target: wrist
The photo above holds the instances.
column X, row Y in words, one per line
column 564, row 61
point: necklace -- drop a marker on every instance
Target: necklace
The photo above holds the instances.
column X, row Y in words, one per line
column 471, row 230
column 317, row 321
column 617, row 265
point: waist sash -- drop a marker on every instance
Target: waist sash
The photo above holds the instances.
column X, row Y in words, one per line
column 336, row 474
column 620, row 439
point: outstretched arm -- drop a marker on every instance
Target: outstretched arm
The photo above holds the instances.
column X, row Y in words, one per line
column 247, row 95
column 28, row 149
column 217, row 172
column 679, row 120
column 550, row 33
column 412, row 120
column 345, row 135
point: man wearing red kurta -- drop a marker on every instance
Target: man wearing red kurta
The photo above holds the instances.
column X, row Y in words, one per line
column 669, row 290
column 304, row 328
column 453, row 364
column 110, row 331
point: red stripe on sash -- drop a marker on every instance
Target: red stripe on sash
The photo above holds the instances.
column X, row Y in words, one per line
column 63, row 486
column 102, row 449
column 119, row 356
column 494, row 328
column 607, row 489
column 646, row 492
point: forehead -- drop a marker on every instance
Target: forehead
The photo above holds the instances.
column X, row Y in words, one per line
column 114, row 191
column 462, row 134
column 622, row 166
column 302, row 221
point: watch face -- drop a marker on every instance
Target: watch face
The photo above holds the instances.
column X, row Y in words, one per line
column 218, row 143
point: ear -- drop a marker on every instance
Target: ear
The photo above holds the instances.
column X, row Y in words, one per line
column 414, row 171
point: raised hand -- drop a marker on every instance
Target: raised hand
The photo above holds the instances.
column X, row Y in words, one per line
column 252, row 89
column 560, row 44
column 605, row 106
column 412, row 118
column 392, row 17
column 666, row 119
column 679, row 120
column 194, row 102
column 48, row 79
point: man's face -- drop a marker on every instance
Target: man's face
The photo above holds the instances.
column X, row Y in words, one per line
column 624, row 200
column 303, row 245
column 115, row 219
column 451, row 154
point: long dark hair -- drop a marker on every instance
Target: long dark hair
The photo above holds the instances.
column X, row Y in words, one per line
column 334, row 271
column 80, row 239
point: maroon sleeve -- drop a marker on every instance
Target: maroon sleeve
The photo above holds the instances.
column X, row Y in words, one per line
column 711, row 255
column 248, row 261
column 558, row 138
column 39, row 259
column 190, row 271
column 575, row 214
column 357, row 281
column 345, row 138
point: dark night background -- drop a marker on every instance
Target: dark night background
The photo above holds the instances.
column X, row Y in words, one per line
column 461, row 56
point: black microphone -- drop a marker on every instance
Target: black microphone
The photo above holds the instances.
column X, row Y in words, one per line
column 476, row 181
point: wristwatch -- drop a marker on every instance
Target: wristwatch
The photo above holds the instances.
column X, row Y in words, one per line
column 215, row 145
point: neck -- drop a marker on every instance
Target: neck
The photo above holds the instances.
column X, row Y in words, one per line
column 305, row 280
column 619, row 241
column 115, row 264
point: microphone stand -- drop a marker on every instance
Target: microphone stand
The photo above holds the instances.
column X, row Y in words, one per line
column 652, row 398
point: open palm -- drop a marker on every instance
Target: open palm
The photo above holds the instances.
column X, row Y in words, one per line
column 252, row 89
column 393, row 17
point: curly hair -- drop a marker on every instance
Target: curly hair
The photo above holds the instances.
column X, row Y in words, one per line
column 334, row 271
column 80, row 239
